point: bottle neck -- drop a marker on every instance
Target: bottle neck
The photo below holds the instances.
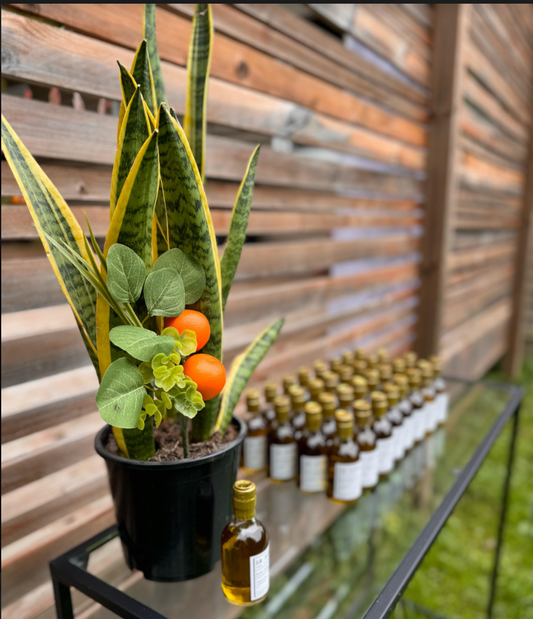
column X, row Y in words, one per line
column 244, row 514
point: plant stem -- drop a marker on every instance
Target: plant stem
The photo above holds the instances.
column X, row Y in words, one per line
column 132, row 315
column 185, row 435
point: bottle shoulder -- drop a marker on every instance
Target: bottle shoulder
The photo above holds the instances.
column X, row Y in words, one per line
column 242, row 532
column 382, row 427
column 283, row 433
column 313, row 444
column 257, row 424
column 366, row 439
column 344, row 450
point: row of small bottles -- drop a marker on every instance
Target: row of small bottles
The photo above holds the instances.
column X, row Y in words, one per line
column 348, row 426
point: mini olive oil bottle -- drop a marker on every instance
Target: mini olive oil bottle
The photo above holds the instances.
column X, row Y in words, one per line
column 283, row 454
column 297, row 415
column 345, row 373
column 304, row 376
column 442, row 399
column 406, row 408
column 367, row 442
column 269, row 413
column 429, row 394
column 395, row 416
column 344, row 466
column 372, row 378
column 417, row 400
column 313, row 452
column 383, row 430
column 345, row 394
column 329, row 426
column 255, row 448
column 331, row 380
column 245, row 550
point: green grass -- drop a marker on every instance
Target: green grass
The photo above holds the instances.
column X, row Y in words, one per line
column 454, row 578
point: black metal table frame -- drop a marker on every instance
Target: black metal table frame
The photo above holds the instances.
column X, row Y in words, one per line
column 66, row 574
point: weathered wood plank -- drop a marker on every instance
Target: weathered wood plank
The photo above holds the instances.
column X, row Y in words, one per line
column 449, row 46
column 234, row 62
column 40, row 53
column 480, row 256
column 64, row 133
column 476, row 172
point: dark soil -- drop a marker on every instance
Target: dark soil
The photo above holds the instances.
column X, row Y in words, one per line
column 168, row 445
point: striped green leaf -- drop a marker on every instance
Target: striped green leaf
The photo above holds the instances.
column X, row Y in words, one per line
column 198, row 63
column 134, row 132
column 149, row 34
column 142, row 74
column 128, row 84
column 242, row 368
column 238, row 226
column 131, row 225
column 51, row 215
column 136, row 444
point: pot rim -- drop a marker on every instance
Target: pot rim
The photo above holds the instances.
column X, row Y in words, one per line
column 144, row 464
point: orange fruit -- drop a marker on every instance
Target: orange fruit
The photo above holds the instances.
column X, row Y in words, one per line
column 208, row 373
column 194, row 321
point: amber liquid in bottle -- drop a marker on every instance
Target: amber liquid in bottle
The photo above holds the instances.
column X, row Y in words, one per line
column 255, row 447
column 344, row 467
column 360, row 389
column 329, row 427
column 367, row 442
column 383, row 430
column 245, row 551
column 283, row 447
column 313, row 452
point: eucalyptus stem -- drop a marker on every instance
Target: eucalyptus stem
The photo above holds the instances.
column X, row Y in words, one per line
column 132, row 315
column 185, row 435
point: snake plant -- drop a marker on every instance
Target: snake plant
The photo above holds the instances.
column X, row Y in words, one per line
column 160, row 254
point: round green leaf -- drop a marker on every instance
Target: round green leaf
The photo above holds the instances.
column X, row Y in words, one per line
column 140, row 343
column 121, row 394
column 188, row 268
column 164, row 293
column 125, row 273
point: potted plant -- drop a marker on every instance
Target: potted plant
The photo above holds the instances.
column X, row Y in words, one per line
column 150, row 308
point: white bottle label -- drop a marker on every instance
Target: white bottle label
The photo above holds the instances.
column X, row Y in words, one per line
column 418, row 415
column 255, row 453
column 443, row 401
column 347, row 481
column 385, row 450
column 369, row 466
column 259, row 574
column 398, row 441
column 410, row 431
column 283, row 461
column 313, row 471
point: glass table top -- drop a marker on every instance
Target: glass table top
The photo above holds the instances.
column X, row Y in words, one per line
column 327, row 560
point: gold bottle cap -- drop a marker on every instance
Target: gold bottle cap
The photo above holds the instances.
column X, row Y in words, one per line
column 346, row 395
column 282, row 406
column 271, row 391
column 372, row 378
column 372, row 361
column 327, row 402
column 437, row 365
column 313, row 415
column 347, row 357
column 345, row 373
column 426, row 370
column 320, row 367
column 362, row 411
column 360, row 366
column 383, row 355
column 360, row 354
column 413, row 375
column 379, row 403
column 288, row 381
column 297, row 394
column 398, row 365
column 410, row 359
column 402, row 382
column 252, row 400
column 244, row 499
column 316, row 387
column 304, row 375
column 331, row 379
column 335, row 364
column 344, row 423
column 360, row 385
column 385, row 372
column 391, row 390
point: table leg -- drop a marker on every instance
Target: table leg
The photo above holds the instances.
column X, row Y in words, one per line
column 63, row 600
column 503, row 514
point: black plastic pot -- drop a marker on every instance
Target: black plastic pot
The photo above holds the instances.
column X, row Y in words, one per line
column 171, row 514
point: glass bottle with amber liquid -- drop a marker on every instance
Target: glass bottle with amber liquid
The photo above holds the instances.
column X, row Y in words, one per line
column 313, row 452
column 442, row 398
column 383, row 430
column 395, row 416
column 316, row 387
column 283, row 447
column 429, row 394
column 297, row 415
column 331, row 381
column 329, row 427
column 255, row 447
column 245, row 550
column 360, row 387
column 269, row 413
column 406, row 408
column 344, row 465
column 367, row 442
column 417, row 400
column 345, row 395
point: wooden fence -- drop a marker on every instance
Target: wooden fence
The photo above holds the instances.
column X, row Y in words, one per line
column 380, row 212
